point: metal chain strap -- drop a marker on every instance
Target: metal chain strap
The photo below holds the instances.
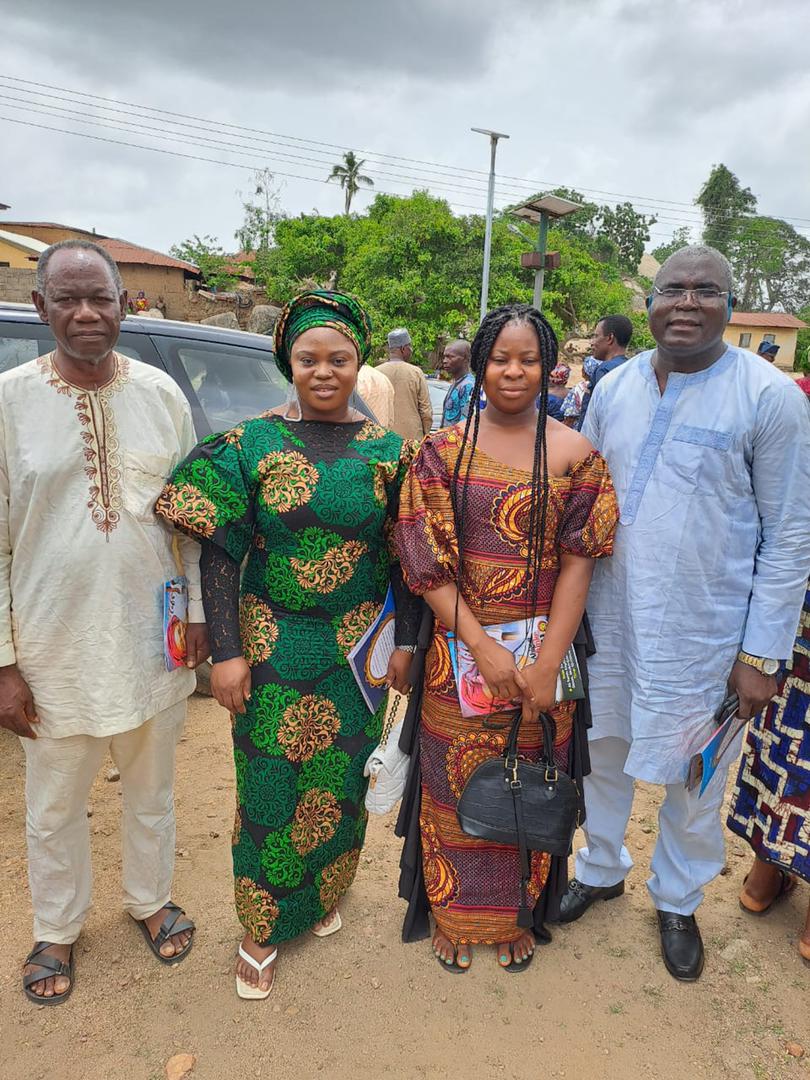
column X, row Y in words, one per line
column 389, row 721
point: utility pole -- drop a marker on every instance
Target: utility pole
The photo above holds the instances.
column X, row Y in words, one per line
column 493, row 147
column 540, row 274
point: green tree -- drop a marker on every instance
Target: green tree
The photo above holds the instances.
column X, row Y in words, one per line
column 262, row 212
column 771, row 264
column 802, row 360
column 680, row 238
column 628, row 231
column 414, row 263
column 207, row 254
column 350, row 178
column 614, row 235
column 723, row 201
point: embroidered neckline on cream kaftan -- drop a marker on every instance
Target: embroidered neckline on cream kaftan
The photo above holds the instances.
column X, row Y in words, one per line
column 102, row 453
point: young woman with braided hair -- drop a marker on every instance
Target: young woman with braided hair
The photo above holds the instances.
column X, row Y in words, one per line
column 500, row 520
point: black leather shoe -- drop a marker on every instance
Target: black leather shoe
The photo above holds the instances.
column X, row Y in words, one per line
column 681, row 945
column 578, row 898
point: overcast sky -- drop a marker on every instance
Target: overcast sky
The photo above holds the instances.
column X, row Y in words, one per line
column 633, row 97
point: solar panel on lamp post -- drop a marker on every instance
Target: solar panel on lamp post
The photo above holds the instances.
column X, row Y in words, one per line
column 541, row 211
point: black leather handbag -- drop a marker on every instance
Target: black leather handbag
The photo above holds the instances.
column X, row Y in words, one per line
column 532, row 806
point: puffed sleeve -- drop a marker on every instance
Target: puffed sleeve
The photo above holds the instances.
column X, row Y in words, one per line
column 211, row 495
column 425, row 533
column 588, row 523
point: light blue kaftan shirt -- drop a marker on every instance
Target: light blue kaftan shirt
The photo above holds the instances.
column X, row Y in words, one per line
column 712, row 551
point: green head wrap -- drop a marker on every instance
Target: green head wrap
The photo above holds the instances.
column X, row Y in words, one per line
column 319, row 307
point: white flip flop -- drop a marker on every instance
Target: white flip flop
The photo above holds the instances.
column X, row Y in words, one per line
column 254, row 993
column 332, row 928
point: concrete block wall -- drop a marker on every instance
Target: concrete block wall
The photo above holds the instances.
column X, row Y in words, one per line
column 16, row 284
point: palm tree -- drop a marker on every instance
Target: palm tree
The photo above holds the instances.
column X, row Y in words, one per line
column 350, row 177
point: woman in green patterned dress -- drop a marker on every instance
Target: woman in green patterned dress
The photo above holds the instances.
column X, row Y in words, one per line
column 309, row 494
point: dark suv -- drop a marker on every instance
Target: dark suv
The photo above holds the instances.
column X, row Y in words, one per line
column 227, row 375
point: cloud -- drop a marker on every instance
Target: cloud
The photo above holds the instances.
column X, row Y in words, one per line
column 638, row 99
column 307, row 45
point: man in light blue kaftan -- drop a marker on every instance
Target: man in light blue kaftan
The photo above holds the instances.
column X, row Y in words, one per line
column 708, row 448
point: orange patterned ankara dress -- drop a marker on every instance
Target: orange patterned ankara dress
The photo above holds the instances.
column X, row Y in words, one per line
column 473, row 886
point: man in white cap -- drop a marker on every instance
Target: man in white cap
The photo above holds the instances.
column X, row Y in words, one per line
column 413, row 414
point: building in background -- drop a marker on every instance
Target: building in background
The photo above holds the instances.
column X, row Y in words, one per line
column 166, row 282
column 748, row 328
column 19, row 252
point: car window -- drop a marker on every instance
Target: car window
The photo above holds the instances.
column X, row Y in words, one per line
column 230, row 382
column 15, row 351
column 24, row 341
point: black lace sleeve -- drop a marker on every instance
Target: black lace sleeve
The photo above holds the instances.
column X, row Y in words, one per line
column 220, row 593
column 409, row 609
column 409, row 606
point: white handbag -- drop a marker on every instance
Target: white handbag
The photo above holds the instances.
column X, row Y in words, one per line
column 387, row 766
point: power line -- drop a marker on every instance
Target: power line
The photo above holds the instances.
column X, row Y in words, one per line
column 57, row 112
column 534, row 183
column 133, row 127
column 176, row 153
column 219, row 161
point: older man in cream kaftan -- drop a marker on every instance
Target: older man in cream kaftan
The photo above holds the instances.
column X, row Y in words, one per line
column 83, row 560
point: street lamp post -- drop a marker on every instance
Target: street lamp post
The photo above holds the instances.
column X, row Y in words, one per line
column 493, row 147
column 540, row 212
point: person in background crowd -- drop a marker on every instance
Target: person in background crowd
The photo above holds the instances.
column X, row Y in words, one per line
column 309, row 493
column 500, row 521
column 574, row 399
column 768, row 350
column 558, row 380
column 139, row 304
column 708, row 449
column 609, row 347
column 88, row 438
column 770, row 807
column 377, row 391
column 804, row 384
column 456, row 362
column 413, row 413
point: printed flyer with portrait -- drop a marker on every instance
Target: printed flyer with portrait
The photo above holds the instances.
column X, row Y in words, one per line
column 175, row 617
column 369, row 658
column 523, row 638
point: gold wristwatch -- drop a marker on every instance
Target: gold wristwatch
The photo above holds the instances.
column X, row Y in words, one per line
column 763, row 664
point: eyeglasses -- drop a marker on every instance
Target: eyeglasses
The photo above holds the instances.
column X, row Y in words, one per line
column 700, row 296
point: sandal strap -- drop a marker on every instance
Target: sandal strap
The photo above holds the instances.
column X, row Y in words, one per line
column 50, row 965
column 255, row 963
column 175, row 922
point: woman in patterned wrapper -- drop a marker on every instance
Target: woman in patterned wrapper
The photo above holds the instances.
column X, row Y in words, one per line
column 309, row 493
column 500, row 520
column 770, row 807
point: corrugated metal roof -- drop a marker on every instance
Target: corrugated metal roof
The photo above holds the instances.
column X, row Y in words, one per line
column 52, row 225
column 121, row 250
column 776, row 319
column 26, row 242
column 124, row 252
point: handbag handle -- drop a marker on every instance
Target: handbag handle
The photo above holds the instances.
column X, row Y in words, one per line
column 548, row 726
column 388, row 724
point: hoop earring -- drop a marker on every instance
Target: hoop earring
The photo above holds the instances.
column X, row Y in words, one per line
column 293, row 397
column 482, row 399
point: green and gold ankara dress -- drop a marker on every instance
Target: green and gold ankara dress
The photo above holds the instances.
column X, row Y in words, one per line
column 311, row 504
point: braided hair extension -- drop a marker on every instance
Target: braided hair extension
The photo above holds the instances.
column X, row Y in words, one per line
column 482, row 346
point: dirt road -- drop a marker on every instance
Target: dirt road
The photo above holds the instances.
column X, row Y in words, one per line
column 597, row 1003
